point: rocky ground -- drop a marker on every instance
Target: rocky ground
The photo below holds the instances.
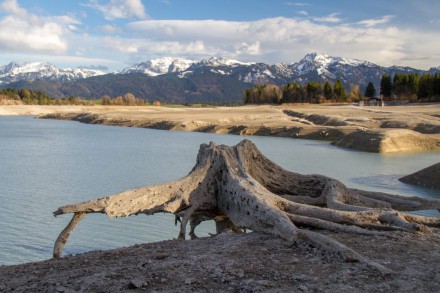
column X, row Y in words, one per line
column 238, row 263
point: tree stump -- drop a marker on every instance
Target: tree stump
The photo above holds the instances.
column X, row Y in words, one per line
column 240, row 188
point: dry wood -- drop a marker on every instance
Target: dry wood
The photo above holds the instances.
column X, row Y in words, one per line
column 240, row 188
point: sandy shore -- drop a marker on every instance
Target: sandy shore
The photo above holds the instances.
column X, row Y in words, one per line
column 372, row 129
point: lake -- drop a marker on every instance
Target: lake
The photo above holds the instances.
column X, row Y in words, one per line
column 45, row 164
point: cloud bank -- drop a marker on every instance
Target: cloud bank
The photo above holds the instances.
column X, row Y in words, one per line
column 277, row 39
column 120, row 40
column 24, row 31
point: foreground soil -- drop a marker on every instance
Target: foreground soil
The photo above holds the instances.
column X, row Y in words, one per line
column 371, row 129
column 238, row 263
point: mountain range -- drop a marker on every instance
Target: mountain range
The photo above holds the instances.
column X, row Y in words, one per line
column 217, row 79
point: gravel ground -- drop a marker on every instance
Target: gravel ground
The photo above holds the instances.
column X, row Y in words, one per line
column 238, row 263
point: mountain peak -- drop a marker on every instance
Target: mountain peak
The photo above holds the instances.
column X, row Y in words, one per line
column 159, row 66
column 42, row 70
column 223, row 61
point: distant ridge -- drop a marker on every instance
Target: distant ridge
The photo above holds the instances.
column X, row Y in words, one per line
column 43, row 70
column 217, row 79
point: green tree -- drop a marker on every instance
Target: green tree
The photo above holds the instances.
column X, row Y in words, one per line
column 370, row 91
column 292, row 93
column 385, row 86
column 313, row 91
column 328, row 91
column 339, row 91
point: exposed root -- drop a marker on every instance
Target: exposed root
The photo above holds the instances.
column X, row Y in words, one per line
column 239, row 188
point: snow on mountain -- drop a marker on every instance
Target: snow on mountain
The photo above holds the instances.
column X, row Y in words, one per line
column 222, row 61
column 155, row 67
column 324, row 64
column 43, row 70
column 313, row 67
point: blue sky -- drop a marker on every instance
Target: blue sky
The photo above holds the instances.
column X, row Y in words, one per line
column 115, row 34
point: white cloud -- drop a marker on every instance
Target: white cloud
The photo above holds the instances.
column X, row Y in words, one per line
column 110, row 29
column 331, row 18
column 301, row 4
column 275, row 40
column 120, row 9
column 376, row 21
column 303, row 12
column 24, row 31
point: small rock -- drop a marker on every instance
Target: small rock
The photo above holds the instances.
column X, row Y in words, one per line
column 303, row 288
column 136, row 283
column 189, row 281
column 240, row 273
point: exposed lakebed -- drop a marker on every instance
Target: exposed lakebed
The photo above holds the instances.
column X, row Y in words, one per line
column 47, row 163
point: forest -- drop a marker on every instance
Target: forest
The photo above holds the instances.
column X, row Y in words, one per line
column 400, row 88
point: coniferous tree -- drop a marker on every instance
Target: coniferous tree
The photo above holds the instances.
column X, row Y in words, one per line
column 339, row 91
column 385, row 86
column 328, row 92
column 425, row 89
column 370, row 91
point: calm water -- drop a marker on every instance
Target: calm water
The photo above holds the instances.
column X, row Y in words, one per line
column 45, row 164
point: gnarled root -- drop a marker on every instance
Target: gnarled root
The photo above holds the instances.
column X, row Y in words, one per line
column 240, row 189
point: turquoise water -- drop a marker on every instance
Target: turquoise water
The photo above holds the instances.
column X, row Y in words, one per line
column 46, row 163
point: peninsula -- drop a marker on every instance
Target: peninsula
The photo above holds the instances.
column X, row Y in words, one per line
column 369, row 128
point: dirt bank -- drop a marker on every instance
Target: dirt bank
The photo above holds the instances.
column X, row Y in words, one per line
column 428, row 177
column 374, row 128
column 237, row 263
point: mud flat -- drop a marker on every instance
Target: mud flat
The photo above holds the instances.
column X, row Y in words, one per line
column 371, row 129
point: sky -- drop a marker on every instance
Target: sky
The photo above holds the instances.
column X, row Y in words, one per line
column 114, row 34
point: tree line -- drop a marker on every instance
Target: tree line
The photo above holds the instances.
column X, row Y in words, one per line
column 35, row 97
column 402, row 87
column 411, row 87
column 127, row 99
column 311, row 92
column 12, row 96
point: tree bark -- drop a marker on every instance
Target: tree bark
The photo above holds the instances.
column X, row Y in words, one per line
column 240, row 188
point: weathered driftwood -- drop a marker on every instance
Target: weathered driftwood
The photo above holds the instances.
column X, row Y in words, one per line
column 240, row 188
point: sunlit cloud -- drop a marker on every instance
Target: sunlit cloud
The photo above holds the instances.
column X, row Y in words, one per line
column 331, row 18
column 376, row 21
column 120, row 9
column 25, row 31
column 272, row 40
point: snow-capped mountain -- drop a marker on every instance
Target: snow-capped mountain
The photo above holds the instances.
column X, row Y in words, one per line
column 44, row 71
column 326, row 66
column 155, row 67
column 176, row 79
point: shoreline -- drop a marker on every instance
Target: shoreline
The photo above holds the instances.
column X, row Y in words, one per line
column 371, row 129
column 235, row 262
